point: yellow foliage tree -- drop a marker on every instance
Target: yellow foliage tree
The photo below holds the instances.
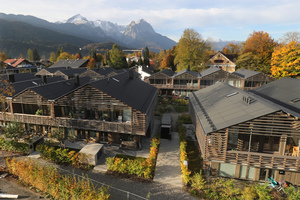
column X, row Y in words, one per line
column 65, row 56
column 285, row 61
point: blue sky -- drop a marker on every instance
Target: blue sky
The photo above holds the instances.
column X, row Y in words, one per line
column 218, row 19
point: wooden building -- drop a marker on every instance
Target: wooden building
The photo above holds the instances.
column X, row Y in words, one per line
column 222, row 61
column 252, row 79
column 249, row 135
column 115, row 109
column 185, row 82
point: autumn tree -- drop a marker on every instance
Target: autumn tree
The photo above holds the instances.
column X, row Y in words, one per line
column 53, row 57
column 117, row 58
column 290, row 36
column 261, row 44
column 248, row 61
column 91, row 64
column 3, row 56
column 65, row 56
column 29, row 54
column 190, row 50
column 232, row 49
column 286, row 61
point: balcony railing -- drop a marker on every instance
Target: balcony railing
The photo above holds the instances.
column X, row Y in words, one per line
column 169, row 86
column 96, row 125
column 263, row 160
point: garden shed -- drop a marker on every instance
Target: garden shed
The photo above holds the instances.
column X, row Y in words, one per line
column 90, row 153
column 165, row 130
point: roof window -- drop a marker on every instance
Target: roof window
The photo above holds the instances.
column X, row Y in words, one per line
column 232, row 94
column 295, row 100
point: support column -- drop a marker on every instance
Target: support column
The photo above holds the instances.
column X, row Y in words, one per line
column 52, row 112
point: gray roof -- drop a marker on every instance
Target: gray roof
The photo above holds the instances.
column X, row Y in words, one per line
column 284, row 92
column 71, row 71
column 133, row 92
column 53, row 91
column 245, row 73
column 167, row 72
column 209, row 71
column 70, row 63
column 22, row 85
column 220, row 106
column 186, row 71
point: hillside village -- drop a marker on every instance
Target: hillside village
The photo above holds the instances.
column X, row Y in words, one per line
column 134, row 124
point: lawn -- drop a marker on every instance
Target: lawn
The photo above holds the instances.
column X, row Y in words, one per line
column 195, row 161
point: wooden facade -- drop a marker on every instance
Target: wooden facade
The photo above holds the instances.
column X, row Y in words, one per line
column 223, row 62
column 83, row 112
column 182, row 84
column 262, row 147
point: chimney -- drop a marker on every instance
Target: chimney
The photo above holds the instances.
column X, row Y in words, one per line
column 76, row 78
column 44, row 79
column 131, row 73
column 11, row 78
column 189, row 68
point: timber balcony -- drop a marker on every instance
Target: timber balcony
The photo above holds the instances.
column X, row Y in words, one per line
column 263, row 160
column 95, row 125
column 176, row 87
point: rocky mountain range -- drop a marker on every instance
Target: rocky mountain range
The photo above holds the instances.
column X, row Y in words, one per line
column 137, row 34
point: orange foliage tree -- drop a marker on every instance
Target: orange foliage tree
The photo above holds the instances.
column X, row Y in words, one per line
column 91, row 64
column 286, row 61
column 232, row 49
column 260, row 44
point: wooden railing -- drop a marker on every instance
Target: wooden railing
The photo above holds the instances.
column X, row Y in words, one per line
column 96, row 125
column 168, row 86
column 263, row 160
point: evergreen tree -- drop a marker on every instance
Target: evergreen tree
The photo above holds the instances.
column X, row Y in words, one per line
column 146, row 57
column 57, row 54
column 36, row 55
column 29, row 54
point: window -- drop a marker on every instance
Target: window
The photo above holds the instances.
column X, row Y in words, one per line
column 126, row 114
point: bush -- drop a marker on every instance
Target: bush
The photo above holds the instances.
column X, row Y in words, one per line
column 11, row 145
column 198, row 181
column 249, row 193
column 135, row 166
column 48, row 180
column 263, row 191
column 292, row 193
column 58, row 155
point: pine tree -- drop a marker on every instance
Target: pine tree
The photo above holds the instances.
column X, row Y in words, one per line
column 36, row 55
column 146, row 57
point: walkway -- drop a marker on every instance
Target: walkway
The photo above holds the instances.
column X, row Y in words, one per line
column 168, row 162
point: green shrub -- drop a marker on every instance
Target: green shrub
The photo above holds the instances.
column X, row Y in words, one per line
column 181, row 108
column 263, row 191
column 292, row 193
column 11, row 145
column 198, row 181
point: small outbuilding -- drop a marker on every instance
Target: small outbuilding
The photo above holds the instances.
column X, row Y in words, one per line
column 166, row 124
column 90, row 153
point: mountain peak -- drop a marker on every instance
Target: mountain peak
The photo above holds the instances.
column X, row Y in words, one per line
column 77, row 19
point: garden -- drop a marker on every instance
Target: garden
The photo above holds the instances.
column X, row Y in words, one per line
column 135, row 167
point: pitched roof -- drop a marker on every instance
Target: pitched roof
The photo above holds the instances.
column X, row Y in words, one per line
column 245, row 73
column 15, row 62
column 104, row 70
column 71, row 71
column 284, row 92
column 58, row 89
column 209, row 71
column 20, row 77
column 220, row 106
column 167, row 72
column 22, row 85
column 70, row 63
column 133, row 92
column 186, row 71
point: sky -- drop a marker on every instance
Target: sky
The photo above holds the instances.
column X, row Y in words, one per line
column 218, row 19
